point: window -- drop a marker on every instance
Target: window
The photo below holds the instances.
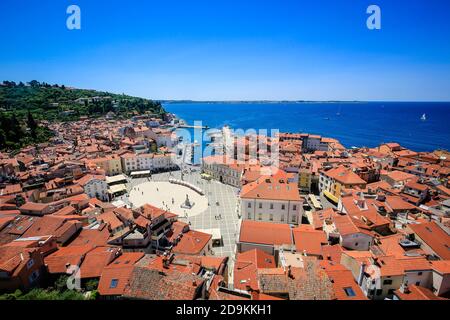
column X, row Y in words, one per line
column 114, row 283
column 259, row 216
column 294, row 207
column 260, row 205
column 419, row 273
column 249, row 215
column 271, row 217
column 271, row 206
column 387, row 282
column 249, row 205
column 34, row 276
column 30, row 263
column 282, row 207
column 349, row 292
column 293, row 219
column 379, row 292
column 418, row 283
column 356, row 244
column 282, row 217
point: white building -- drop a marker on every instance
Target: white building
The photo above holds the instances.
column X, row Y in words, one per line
column 223, row 169
column 313, row 143
column 163, row 161
column 147, row 161
column 163, row 137
column 343, row 228
column 271, row 199
column 94, row 186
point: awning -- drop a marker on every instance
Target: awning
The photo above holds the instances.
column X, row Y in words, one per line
column 330, row 196
column 117, row 188
column 116, row 179
column 138, row 173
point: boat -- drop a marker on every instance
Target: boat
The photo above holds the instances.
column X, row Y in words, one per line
column 423, row 117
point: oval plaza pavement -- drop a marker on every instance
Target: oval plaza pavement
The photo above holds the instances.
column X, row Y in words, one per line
column 217, row 208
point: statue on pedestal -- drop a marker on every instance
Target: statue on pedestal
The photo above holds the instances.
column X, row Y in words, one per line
column 187, row 203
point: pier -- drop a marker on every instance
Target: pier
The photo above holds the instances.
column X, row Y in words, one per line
column 192, row 127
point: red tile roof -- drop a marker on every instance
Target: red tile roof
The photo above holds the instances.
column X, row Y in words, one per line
column 435, row 237
column 441, row 266
column 414, row 292
column 92, row 237
column 245, row 268
column 344, row 285
column 332, row 253
column 96, row 260
column 59, row 261
column 345, row 176
column 192, row 242
column 272, row 188
column 309, row 241
column 155, row 285
column 265, row 233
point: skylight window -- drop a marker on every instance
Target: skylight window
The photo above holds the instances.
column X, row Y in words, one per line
column 114, row 283
column 349, row 292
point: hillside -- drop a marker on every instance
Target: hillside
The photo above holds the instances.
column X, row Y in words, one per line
column 23, row 107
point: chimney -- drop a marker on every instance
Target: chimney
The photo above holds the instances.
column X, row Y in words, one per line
column 404, row 287
column 362, row 269
column 165, row 262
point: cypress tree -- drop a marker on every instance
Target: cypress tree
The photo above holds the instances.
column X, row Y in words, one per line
column 32, row 125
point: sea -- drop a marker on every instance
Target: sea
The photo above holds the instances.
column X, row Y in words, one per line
column 419, row 126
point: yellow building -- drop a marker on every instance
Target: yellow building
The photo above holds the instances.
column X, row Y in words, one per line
column 304, row 179
column 333, row 181
column 111, row 164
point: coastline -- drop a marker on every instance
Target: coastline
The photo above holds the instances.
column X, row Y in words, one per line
column 366, row 126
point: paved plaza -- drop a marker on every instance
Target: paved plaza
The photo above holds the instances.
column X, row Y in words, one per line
column 219, row 209
column 168, row 196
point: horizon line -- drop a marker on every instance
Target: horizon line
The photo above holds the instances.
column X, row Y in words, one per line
column 296, row 101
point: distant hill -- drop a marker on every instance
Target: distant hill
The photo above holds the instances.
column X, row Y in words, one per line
column 21, row 105
column 58, row 102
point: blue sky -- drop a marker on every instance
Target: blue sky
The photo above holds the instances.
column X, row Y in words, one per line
column 233, row 50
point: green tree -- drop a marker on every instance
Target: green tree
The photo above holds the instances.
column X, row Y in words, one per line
column 32, row 125
column 61, row 283
column 16, row 129
column 91, row 285
column 2, row 139
column 34, row 83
